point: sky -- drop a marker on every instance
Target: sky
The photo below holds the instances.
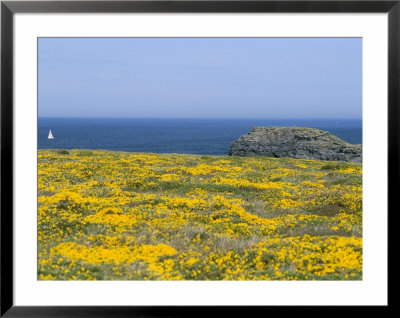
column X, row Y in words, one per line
column 200, row 77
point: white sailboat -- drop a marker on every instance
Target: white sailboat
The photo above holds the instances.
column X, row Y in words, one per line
column 50, row 135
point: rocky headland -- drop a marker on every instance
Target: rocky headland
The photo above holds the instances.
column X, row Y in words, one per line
column 295, row 142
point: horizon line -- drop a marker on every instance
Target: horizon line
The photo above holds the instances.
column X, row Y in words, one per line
column 244, row 118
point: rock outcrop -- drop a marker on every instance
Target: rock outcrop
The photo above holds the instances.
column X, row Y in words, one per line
column 295, row 142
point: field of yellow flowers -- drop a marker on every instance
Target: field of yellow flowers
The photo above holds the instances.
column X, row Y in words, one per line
column 106, row 215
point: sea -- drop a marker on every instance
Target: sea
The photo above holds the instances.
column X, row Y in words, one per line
column 160, row 135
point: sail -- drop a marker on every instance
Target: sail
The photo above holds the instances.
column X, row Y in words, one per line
column 50, row 135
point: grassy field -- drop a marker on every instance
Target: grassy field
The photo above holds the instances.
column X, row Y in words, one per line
column 128, row 216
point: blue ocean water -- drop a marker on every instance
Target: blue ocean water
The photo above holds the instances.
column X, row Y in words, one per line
column 191, row 136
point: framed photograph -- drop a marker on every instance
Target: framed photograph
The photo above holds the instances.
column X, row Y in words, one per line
column 158, row 156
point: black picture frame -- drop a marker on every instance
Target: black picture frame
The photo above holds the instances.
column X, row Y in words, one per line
column 9, row 8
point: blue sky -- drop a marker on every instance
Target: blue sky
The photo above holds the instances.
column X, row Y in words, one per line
column 200, row 77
